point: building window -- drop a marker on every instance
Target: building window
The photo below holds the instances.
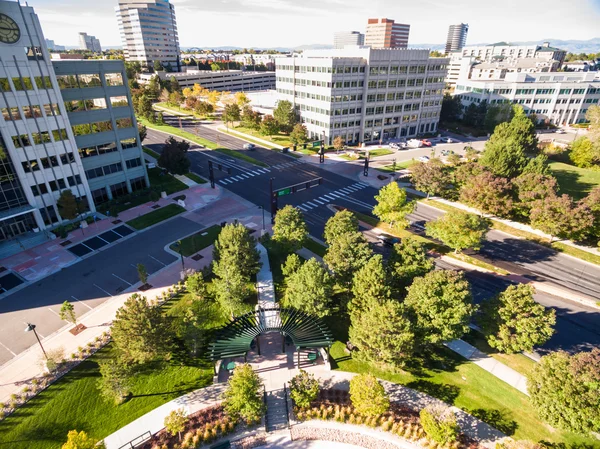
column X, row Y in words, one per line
column 67, row 158
column 119, row 101
column 124, row 123
column 49, row 215
column 59, row 134
column 119, row 189
column 114, row 79
column 73, row 181
column 51, row 109
column 29, row 166
column 21, row 141
column 12, row 112
column 53, row 186
column 43, row 82
column 100, row 196
column 89, row 80
column 129, row 143
column 48, row 162
column 32, row 111
column 67, row 81
column 22, row 83
column 132, row 163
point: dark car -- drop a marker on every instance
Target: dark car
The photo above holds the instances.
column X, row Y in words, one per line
column 388, row 240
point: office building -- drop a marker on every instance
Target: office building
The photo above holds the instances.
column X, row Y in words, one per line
column 87, row 42
column 385, row 33
column 457, row 37
column 52, row 46
column 98, row 104
column 362, row 94
column 343, row 38
column 560, row 98
column 221, row 80
column 149, row 32
column 502, row 50
column 39, row 156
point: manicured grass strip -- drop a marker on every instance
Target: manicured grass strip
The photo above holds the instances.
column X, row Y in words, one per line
column 156, row 216
column 399, row 166
column 453, row 379
column 200, row 141
column 249, row 139
column 176, row 110
column 279, row 139
column 196, row 178
column 149, row 152
column 197, row 242
column 315, row 247
column 574, row 181
column 165, row 182
column 380, row 152
column 519, row 362
column 558, row 246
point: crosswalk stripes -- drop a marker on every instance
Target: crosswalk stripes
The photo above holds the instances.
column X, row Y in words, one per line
column 331, row 196
column 286, row 165
column 243, row 176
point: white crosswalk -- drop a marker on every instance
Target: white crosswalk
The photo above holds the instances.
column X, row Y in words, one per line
column 328, row 197
column 286, row 165
column 259, row 171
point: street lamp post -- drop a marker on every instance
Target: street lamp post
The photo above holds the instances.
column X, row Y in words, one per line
column 31, row 327
column 263, row 216
column 180, row 254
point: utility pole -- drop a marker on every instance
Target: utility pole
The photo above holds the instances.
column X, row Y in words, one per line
column 211, row 174
column 273, row 201
column 366, row 170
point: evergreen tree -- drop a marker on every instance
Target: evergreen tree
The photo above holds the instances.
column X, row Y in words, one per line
column 346, row 254
column 115, row 381
column 243, row 396
column 407, row 261
column 290, row 231
column 67, row 205
column 174, row 156
column 369, row 283
column 309, row 289
column 237, row 245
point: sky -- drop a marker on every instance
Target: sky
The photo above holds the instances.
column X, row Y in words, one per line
column 290, row 23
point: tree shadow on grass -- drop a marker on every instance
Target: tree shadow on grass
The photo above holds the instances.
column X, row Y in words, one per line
column 497, row 419
column 444, row 392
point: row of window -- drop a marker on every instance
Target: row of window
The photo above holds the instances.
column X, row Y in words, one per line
column 99, row 150
column 47, row 162
column 25, row 83
column 59, row 184
column 112, row 168
column 98, row 127
column 34, row 111
column 21, row 141
column 120, row 189
column 393, row 96
column 392, row 108
column 94, row 103
column 373, row 70
column 88, row 80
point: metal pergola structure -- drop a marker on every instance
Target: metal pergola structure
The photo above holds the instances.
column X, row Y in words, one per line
column 235, row 338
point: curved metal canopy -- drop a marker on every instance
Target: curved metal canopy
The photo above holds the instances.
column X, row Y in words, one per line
column 234, row 339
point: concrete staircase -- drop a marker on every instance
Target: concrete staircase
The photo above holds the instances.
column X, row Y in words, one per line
column 277, row 414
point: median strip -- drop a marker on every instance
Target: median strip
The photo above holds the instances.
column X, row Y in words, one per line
column 156, row 216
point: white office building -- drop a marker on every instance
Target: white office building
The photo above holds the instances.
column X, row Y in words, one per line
column 39, row 156
column 343, row 38
column 364, row 95
column 560, row 98
column 502, row 50
column 149, row 32
column 457, row 37
column 221, row 80
column 87, row 42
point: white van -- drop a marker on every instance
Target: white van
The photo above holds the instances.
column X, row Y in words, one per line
column 415, row 143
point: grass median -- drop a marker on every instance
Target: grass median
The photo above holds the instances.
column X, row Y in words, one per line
column 197, row 242
column 156, row 216
column 196, row 178
column 200, row 141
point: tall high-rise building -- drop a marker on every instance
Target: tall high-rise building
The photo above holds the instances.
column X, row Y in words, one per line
column 385, row 33
column 149, row 32
column 343, row 38
column 87, row 42
column 457, row 37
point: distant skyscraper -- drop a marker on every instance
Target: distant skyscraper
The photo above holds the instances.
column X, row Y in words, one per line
column 87, row 42
column 457, row 37
column 343, row 38
column 385, row 33
column 149, row 32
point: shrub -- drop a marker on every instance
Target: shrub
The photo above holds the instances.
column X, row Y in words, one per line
column 304, row 389
column 439, row 423
column 368, row 395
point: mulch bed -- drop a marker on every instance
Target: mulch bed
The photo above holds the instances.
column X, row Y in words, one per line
column 65, row 243
column 144, row 287
column 78, row 329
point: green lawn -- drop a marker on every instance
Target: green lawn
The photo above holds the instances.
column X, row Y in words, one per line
column 315, row 247
column 165, row 182
column 380, row 152
column 196, row 178
column 199, row 140
column 575, row 181
column 399, row 166
column 279, row 139
column 194, row 243
column 249, row 139
column 178, row 110
column 74, row 402
column 156, row 216
column 149, row 152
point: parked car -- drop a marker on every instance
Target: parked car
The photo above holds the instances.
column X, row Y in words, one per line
column 249, row 146
column 415, row 143
column 423, row 159
column 394, row 146
column 426, row 143
column 447, row 140
column 388, row 240
column 561, row 131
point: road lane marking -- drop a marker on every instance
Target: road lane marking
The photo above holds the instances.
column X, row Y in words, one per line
column 323, row 198
column 122, row 279
column 163, row 264
column 6, row 347
column 100, row 288
column 313, row 205
column 245, row 176
column 57, row 314
column 317, row 201
column 81, row 302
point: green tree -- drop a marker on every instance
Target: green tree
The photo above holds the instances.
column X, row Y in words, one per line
column 369, row 283
column 585, row 153
column 514, row 322
column 342, row 222
column 67, row 312
column 241, row 99
column 176, row 421
column 522, row 128
column 440, row 305
column 407, row 261
column 250, row 118
column 115, row 381
column 195, row 285
column 285, row 115
column 157, row 66
column 346, row 254
column 393, row 206
column 430, row 177
column 382, row 333
column 269, row 126
column 593, row 116
column 79, row 440
column 144, row 108
column 503, row 155
column 142, row 132
column 175, row 98
column 309, row 289
column 174, row 156
column 471, row 154
column 291, row 265
column 140, row 331
column 203, row 108
column 174, row 85
column 464, row 172
column 304, row 389
column 154, row 88
column 368, row 396
column 592, row 202
column 488, row 193
column 230, row 286
column 537, row 165
column 439, row 423
column 142, row 273
column 496, row 114
column 299, row 134
column 564, row 390
column 338, row 143
column 532, row 187
column 67, row 205
column 558, row 217
column 231, row 113
column 451, row 108
column 458, row 230
column 237, row 245
column 243, row 396
column 290, row 231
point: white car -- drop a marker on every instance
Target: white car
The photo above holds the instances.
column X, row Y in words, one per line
column 249, row 146
column 447, row 140
column 561, row 131
column 423, row 159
